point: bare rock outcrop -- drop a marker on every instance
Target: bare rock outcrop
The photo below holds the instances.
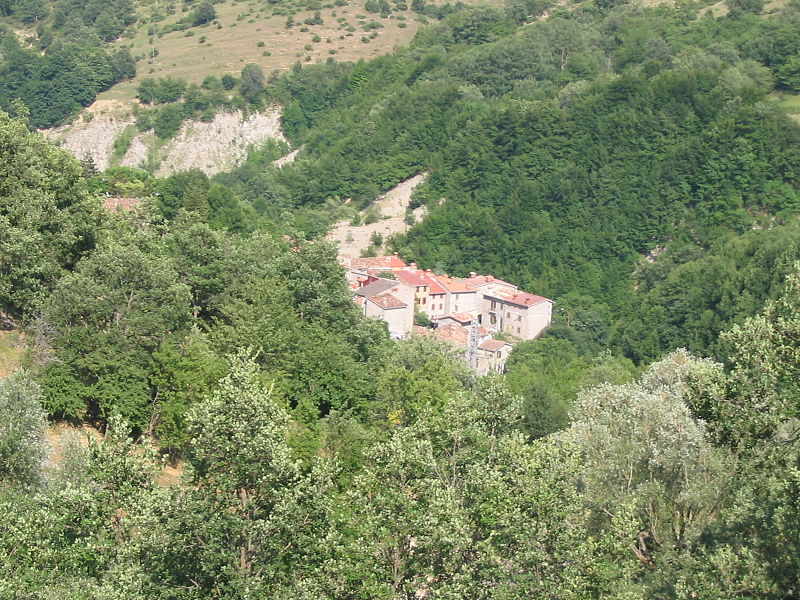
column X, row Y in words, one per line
column 94, row 138
column 221, row 144
column 218, row 145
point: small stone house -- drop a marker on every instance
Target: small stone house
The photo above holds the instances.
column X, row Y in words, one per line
column 389, row 300
column 492, row 356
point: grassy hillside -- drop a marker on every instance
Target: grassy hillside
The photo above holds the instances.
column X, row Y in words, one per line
column 59, row 56
column 250, row 32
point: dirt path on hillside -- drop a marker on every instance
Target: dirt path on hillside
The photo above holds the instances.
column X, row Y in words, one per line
column 353, row 240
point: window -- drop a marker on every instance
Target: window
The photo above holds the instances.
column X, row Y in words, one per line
column 519, row 318
column 494, row 305
column 508, row 315
column 493, row 319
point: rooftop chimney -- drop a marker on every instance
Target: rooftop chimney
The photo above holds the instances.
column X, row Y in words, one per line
column 473, row 274
column 413, row 265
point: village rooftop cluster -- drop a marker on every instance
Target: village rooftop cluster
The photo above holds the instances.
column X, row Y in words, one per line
column 467, row 312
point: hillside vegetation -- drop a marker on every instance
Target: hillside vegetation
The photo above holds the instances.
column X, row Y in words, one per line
column 568, row 150
column 59, row 55
column 634, row 162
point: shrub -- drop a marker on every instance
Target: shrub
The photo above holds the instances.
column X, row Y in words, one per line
column 167, row 121
column 372, row 216
column 205, row 13
column 228, row 81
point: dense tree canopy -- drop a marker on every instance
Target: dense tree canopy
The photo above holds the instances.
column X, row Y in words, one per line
column 630, row 161
column 48, row 220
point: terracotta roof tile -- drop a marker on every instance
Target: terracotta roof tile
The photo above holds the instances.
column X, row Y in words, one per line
column 526, row 299
column 482, row 280
column 493, row 345
column 452, row 333
column 453, row 285
column 415, row 278
column 515, row 296
column 387, row 301
column 436, row 288
column 377, row 262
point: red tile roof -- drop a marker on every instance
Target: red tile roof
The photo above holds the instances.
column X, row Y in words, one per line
column 526, row 299
column 515, row 296
column 493, row 345
column 436, row 288
column 415, row 278
column 481, row 280
column 452, row 333
column 377, row 262
column 453, row 285
column 387, row 301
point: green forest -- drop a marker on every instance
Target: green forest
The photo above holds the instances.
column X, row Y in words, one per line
column 639, row 165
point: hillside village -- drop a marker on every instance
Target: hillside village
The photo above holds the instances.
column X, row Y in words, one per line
column 471, row 313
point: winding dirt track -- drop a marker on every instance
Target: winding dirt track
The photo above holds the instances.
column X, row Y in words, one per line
column 392, row 206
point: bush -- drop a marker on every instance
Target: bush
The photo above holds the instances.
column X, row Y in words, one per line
column 205, row 13
column 167, row 121
column 315, row 20
column 372, row 216
column 252, row 82
column 22, row 428
column 228, row 81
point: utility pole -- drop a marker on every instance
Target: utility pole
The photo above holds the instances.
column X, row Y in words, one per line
column 472, row 345
column 153, row 37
